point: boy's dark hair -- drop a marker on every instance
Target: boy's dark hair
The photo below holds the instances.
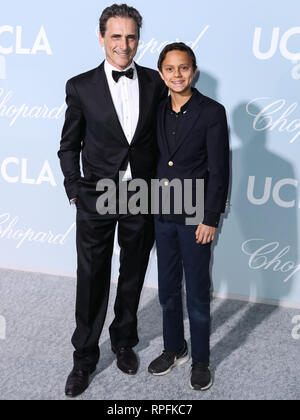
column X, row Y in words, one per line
column 179, row 46
column 120, row 10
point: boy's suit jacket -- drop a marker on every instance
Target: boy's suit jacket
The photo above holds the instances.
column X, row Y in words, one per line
column 202, row 152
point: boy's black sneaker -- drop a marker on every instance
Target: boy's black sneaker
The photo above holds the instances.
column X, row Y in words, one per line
column 201, row 379
column 165, row 362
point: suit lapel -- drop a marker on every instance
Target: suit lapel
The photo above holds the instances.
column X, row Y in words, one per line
column 107, row 108
column 145, row 94
column 161, row 135
column 191, row 117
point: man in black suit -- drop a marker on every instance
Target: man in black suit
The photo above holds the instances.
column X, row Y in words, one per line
column 110, row 122
column 193, row 145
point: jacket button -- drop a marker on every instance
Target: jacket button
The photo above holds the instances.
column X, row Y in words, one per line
column 171, row 163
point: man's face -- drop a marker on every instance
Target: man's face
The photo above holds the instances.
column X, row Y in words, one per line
column 177, row 71
column 120, row 41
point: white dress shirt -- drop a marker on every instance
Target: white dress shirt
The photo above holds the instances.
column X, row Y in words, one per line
column 126, row 99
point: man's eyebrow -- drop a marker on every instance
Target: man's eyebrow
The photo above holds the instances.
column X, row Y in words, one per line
column 119, row 35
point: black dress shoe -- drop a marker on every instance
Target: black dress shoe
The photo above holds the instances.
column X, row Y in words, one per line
column 77, row 382
column 127, row 360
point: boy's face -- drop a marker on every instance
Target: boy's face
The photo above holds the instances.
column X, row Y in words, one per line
column 177, row 71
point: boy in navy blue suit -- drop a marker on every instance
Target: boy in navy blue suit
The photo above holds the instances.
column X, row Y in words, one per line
column 193, row 144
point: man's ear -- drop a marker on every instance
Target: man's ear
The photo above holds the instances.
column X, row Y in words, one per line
column 101, row 40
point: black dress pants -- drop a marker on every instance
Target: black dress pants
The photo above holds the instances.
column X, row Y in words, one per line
column 95, row 241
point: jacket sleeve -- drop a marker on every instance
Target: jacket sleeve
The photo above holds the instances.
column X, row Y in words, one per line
column 218, row 162
column 71, row 141
column 164, row 91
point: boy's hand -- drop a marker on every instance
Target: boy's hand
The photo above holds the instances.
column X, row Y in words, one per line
column 205, row 234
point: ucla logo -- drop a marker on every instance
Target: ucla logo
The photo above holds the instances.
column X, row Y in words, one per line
column 11, row 42
column 2, row 68
column 14, row 170
column 272, row 190
column 281, row 42
column 277, row 41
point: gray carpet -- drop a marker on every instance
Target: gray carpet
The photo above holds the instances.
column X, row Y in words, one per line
column 254, row 355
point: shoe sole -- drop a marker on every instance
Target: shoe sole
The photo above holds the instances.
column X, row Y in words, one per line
column 205, row 388
column 178, row 362
column 77, row 394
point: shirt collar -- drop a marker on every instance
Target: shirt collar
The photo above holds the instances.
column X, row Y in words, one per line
column 184, row 108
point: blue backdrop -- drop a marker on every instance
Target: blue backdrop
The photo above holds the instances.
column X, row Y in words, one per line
column 249, row 56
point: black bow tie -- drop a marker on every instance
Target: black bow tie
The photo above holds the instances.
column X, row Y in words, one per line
column 117, row 74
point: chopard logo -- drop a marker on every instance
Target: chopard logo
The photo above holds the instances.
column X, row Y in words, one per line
column 32, row 112
column 267, row 256
column 10, row 230
column 154, row 46
column 270, row 115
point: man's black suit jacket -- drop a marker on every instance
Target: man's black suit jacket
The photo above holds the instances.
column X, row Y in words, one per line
column 201, row 153
column 92, row 129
